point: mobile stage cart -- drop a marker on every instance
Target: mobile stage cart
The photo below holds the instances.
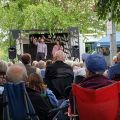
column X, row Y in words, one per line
column 70, row 40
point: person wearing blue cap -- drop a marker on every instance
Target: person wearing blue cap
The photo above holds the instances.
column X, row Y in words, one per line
column 95, row 67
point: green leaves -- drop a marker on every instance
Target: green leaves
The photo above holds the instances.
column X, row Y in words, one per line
column 49, row 14
column 109, row 9
column 52, row 15
column 11, row 18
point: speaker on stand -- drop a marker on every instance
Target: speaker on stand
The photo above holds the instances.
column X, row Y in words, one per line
column 75, row 51
column 12, row 52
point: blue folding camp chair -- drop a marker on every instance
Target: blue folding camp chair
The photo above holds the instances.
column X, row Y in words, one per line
column 18, row 105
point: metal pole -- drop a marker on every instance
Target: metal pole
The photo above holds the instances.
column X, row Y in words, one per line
column 113, row 47
column 20, row 43
column 79, row 46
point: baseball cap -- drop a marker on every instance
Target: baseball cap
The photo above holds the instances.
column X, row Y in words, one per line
column 96, row 63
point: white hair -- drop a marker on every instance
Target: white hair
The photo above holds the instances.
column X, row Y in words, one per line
column 34, row 63
column 59, row 55
column 16, row 73
column 42, row 64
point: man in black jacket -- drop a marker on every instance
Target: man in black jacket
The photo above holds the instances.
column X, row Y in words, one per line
column 59, row 75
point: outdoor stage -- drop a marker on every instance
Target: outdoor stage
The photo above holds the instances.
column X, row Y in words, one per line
column 49, row 40
column 69, row 40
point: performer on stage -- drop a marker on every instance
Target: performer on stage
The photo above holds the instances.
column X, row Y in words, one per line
column 41, row 49
column 57, row 47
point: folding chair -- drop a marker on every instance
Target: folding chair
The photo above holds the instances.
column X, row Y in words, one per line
column 18, row 105
column 99, row 104
column 119, row 100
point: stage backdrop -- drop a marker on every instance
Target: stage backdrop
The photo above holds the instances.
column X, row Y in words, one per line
column 49, row 40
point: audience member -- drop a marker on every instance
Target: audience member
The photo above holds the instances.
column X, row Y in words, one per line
column 114, row 71
column 79, row 73
column 81, row 64
column 95, row 67
column 18, row 73
column 48, row 62
column 36, row 83
column 26, row 60
column 59, row 75
column 114, row 60
column 79, row 70
column 35, row 63
column 42, row 66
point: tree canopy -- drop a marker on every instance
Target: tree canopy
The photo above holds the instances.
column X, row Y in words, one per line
column 108, row 9
column 49, row 14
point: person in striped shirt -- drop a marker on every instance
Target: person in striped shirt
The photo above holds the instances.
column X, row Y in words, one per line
column 41, row 49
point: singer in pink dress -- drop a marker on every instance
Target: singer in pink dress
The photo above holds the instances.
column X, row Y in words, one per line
column 57, row 47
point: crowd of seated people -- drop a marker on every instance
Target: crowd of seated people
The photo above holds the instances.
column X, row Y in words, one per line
column 49, row 83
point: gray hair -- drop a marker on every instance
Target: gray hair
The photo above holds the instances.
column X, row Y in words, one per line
column 42, row 64
column 35, row 63
column 16, row 73
column 3, row 66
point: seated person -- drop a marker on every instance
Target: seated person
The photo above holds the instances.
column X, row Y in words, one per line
column 114, row 71
column 18, row 73
column 42, row 66
column 95, row 67
column 26, row 60
column 79, row 72
column 59, row 75
column 36, row 83
column 48, row 62
column 35, row 63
